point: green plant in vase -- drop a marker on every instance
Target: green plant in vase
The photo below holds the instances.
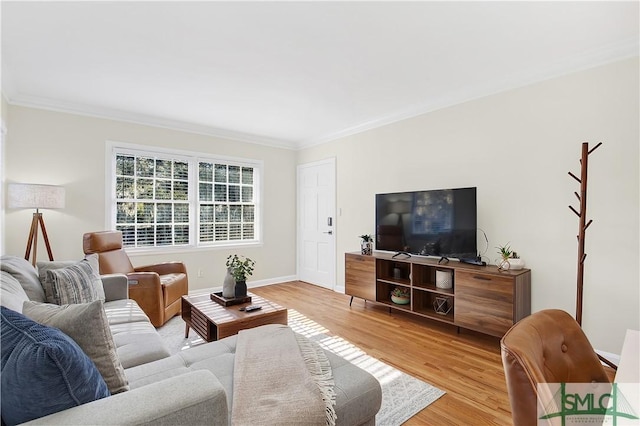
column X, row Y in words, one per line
column 400, row 295
column 509, row 259
column 240, row 268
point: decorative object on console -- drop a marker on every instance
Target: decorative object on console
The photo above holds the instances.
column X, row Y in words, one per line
column 442, row 305
column 366, row 244
column 32, row 196
column 397, row 272
column 444, row 278
column 509, row 259
column 400, row 296
column 516, row 262
column 241, row 267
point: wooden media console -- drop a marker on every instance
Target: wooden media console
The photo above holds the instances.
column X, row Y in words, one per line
column 479, row 298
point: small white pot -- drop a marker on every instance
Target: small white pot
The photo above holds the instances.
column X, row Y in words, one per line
column 516, row 264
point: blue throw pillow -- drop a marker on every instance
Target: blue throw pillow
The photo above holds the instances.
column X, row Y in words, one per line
column 43, row 370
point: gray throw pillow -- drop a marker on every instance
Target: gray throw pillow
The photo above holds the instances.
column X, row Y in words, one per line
column 44, row 266
column 24, row 272
column 75, row 283
column 12, row 295
column 87, row 325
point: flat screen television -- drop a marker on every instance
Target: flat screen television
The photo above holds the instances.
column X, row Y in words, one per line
column 439, row 222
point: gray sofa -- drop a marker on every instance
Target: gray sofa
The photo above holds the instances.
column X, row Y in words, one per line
column 192, row 387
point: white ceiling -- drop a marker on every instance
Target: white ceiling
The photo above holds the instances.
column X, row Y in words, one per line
column 294, row 74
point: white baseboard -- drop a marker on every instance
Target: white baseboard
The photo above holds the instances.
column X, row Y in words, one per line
column 278, row 280
column 250, row 284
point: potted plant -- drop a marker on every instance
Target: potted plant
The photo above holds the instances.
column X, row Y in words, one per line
column 400, row 295
column 366, row 244
column 240, row 268
column 509, row 259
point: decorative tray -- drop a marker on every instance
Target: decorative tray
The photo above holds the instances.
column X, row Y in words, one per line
column 218, row 298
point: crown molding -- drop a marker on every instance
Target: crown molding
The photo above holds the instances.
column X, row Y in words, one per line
column 608, row 54
column 615, row 52
column 145, row 120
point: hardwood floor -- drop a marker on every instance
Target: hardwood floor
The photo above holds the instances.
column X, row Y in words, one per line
column 466, row 365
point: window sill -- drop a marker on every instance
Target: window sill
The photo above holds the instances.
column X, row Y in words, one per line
column 151, row 251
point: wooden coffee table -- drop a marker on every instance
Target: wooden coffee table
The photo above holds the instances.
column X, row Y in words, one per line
column 213, row 321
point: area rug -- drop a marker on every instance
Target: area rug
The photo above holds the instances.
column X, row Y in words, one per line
column 403, row 396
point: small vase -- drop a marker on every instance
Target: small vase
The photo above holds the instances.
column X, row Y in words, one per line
column 241, row 288
column 229, row 286
column 366, row 248
column 503, row 264
column 397, row 273
column 516, row 264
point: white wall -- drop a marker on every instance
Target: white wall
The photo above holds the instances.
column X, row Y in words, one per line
column 69, row 150
column 516, row 147
column 4, row 114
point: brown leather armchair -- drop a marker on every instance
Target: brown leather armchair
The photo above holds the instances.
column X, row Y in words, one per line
column 158, row 289
column 546, row 347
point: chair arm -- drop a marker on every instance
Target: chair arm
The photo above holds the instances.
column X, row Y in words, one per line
column 192, row 398
column 147, row 280
column 164, row 268
column 146, row 289
column 115, row 287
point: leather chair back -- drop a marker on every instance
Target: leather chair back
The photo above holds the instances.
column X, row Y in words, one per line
column 548, row 346
column 108, row 245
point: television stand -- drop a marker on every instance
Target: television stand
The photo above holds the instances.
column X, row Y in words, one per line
column 401, row 253
column 480, row 298
column 473, row 261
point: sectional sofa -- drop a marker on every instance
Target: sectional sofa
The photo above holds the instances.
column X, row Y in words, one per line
column 194, row 386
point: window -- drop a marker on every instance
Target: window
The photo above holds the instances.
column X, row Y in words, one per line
column 226, row 202
column 178, row 199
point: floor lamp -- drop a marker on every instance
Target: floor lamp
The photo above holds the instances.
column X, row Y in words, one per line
column 31, row 196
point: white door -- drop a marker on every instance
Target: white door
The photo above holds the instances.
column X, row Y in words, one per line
column 316, row 223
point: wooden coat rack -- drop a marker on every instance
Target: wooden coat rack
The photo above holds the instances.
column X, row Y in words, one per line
column 582, row 228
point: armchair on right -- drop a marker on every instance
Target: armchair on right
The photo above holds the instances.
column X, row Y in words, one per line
column 548, row 346
column 158, row 289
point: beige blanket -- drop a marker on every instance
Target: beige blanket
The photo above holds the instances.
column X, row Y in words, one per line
column 281, row 378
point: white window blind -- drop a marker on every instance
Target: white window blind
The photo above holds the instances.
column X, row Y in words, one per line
column 174, row 199
column 226, row 202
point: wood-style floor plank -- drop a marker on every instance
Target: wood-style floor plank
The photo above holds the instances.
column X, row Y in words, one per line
column 466, row 365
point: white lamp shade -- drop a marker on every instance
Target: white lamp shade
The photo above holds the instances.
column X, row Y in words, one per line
column 26, row 195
